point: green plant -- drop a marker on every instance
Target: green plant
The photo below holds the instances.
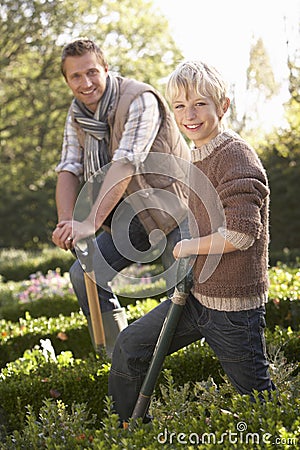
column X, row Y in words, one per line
column 50, row 295
column 65, row 332
column 51, row 379
column 54, row 427
column 18, row 265
column 41, row 374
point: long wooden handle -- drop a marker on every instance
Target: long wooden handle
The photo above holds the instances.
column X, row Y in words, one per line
column 95, row 311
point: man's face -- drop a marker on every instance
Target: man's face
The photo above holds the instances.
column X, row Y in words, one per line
column 86, row 78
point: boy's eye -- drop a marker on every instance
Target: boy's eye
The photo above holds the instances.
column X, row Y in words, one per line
column 179, row 106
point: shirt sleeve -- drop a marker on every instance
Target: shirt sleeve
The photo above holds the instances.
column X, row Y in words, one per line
column 140, row 130
column 240, row 241
column 72, row 152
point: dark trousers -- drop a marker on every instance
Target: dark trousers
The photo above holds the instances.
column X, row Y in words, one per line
column 237, row 338
column 115, row 254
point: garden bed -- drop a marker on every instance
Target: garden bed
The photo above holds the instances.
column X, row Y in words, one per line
column 53, row 388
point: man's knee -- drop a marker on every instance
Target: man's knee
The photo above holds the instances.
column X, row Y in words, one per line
column 77, row 280
column 76, row 274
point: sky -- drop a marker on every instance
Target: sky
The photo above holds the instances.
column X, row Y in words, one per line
column 221, row 32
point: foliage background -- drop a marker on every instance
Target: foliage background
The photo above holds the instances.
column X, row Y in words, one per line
column 136, row 38
column 34, row 98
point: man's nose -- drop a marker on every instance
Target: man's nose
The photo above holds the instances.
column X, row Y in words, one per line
column 86, row 81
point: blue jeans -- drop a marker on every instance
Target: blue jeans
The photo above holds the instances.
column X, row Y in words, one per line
column 109, row 261
column 237, row 339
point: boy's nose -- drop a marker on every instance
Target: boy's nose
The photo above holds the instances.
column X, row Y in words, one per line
column 190, row 112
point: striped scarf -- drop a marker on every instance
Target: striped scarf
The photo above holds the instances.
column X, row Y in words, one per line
column 96, row 128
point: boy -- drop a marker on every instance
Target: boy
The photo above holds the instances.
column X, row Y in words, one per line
column 229, row 198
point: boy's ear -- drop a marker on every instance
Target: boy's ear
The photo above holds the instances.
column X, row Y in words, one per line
column 226, row 104
column 224, row 107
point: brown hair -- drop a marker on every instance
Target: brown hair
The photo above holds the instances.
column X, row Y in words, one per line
column 81, row 47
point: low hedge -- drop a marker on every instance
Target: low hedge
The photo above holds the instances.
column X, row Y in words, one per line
column 45, row 307
column 185, row 401
column 65, row 332
column 32, row 379
column 17, row 265
column 189, row 417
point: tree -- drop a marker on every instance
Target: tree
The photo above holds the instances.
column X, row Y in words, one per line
column 279, row 149
column 261, row 87
column 34, row 98
column 260, row 76
column 281, row 154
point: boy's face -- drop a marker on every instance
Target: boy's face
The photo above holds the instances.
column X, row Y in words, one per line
column 197, row 117
column 86, row 78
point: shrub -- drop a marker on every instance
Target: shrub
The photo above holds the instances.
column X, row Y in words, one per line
column 53, row 387
column 17, row 265
column 54, row 425
column 37, row 377
column 66, row 333
column 283, row 307
column 40, row 375
column 50, row 295
column 196, row 415
column 45, row 307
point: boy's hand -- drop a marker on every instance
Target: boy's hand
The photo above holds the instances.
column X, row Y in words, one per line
column 182, row 249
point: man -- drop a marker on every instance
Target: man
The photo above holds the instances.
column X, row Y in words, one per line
column 114, row 128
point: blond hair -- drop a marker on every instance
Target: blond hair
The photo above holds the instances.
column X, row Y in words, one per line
column 196, row 76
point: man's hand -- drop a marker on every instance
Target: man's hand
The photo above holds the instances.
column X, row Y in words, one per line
column 69, row 232
column 82, row 230
column 62, row 235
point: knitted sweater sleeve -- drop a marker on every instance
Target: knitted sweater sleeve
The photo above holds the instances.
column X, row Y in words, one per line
column 242, row 188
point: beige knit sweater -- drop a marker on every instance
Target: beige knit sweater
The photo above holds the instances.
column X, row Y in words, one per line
column 230, row 194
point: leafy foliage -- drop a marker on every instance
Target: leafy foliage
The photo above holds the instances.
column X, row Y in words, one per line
column 53, row 388
column 197, row 412
column 34, row 97
column 136, row 38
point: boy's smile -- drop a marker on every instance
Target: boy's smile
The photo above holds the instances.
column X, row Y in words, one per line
column 197, row 117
